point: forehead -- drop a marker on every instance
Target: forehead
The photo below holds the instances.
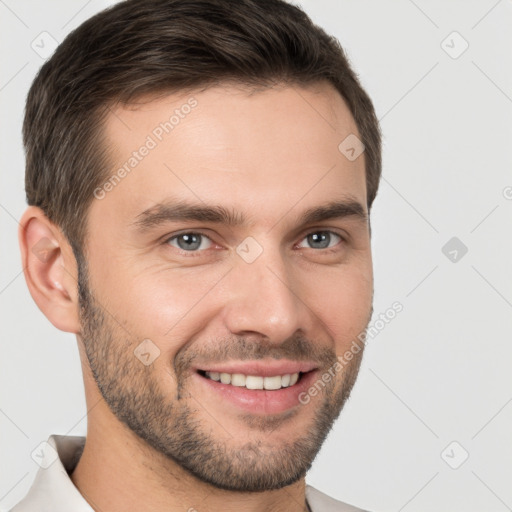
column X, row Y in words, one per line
column 261, row 152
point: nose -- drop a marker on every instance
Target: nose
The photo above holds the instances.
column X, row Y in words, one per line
column 266, row 299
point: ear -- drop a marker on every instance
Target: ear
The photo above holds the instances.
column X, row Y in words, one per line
column 50, row 269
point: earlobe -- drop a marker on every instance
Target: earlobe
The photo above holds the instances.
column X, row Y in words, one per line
column 50, row 269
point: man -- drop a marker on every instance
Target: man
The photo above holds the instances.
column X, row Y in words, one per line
column 200, row 175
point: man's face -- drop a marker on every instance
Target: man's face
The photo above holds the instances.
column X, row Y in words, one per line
column 166, row 299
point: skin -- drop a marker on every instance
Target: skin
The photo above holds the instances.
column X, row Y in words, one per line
column 158, row 438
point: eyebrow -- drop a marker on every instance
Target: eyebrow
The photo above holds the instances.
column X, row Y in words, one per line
column 170, row 210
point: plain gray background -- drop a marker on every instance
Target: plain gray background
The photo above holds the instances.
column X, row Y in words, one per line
column 435, row 385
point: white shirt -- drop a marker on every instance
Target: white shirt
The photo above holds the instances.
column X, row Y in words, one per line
column 54, row 491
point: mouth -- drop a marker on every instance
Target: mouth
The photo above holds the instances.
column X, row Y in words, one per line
column 256, row 387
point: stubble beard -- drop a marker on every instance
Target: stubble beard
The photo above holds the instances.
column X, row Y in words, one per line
column 175, row 426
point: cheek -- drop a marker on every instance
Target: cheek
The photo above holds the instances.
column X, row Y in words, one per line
column 164, row 305
column 344, row 306
column 171, row 305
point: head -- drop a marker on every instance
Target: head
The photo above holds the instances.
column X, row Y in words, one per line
column 200, row 201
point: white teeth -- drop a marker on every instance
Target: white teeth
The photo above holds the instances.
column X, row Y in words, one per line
column 237, row 379
column 272, row 382
column 255, row 381
column 225, row 378
column 252, row 382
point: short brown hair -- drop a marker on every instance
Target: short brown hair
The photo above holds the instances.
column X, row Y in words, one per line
column 144, row 47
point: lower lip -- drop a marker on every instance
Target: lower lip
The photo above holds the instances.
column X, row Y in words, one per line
column 261, row 401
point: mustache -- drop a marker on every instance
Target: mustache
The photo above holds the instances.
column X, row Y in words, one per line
column 296, row 348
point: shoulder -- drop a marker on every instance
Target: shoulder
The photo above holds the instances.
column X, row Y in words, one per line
column 320, row 502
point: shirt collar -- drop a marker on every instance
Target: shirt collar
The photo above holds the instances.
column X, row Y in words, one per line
column 54, row 490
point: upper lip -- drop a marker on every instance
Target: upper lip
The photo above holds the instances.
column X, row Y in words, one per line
column 262, row 367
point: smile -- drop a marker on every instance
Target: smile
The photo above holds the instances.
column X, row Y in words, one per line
column 255, row 381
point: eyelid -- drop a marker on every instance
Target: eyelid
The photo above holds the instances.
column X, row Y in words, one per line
column 167, row 239
column 345, row 237
column 342, row 236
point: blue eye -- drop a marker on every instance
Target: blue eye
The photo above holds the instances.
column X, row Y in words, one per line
column 194, row 242
column 189, row 242
column 322, row 239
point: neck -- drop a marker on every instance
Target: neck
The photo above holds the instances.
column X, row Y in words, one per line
column 119, row 472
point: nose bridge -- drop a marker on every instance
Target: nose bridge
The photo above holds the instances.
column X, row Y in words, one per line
column 264, row 297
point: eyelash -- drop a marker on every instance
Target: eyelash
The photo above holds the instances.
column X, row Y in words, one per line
column 199, row 252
